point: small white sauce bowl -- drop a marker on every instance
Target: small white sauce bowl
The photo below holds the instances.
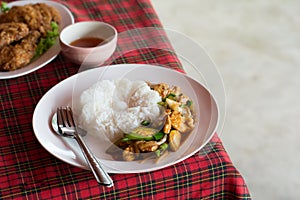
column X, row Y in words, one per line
column 88, row 56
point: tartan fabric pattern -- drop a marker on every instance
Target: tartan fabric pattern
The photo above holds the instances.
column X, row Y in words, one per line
column 28, row 171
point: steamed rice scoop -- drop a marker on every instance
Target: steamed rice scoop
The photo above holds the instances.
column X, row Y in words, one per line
column 112, row 107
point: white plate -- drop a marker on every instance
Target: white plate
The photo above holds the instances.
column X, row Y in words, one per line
column 66, row 19
column 62, row 94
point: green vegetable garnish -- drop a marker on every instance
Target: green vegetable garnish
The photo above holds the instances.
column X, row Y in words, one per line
column 47, row 42
column 145, row 123
column 4, row 7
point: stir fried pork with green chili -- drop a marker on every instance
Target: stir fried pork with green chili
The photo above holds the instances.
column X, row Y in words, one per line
column 152, row 139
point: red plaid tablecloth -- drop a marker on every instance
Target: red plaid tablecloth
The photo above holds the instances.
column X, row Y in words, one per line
column 28, row 171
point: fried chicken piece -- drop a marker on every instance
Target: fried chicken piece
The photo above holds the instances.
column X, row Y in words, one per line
column 48, row 11
column 26, row 14
column 37, row 16
column 11, row 32
column 13, row 57
column 48, row 14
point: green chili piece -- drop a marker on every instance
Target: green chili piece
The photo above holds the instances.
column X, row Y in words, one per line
column 134, row 136
column 171, row 96
column 189, row 103
column 145, row 122
column 158, row 136
column 162, row 103
column 161, row 149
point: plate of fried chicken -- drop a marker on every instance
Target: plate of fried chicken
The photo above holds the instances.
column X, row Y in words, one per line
column 29, row 35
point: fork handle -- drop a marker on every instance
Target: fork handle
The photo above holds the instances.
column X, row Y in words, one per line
column 100, row 174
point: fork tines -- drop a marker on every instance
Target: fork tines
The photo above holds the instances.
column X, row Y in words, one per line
column 65, row 116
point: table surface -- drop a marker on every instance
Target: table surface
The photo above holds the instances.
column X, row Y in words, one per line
column 28, row 171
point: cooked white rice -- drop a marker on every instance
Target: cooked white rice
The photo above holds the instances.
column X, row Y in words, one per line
column 112, row 108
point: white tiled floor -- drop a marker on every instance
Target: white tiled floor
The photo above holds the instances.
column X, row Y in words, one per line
column 256, row 46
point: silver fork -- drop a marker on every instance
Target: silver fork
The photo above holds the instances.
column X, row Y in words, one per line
column 67, row 128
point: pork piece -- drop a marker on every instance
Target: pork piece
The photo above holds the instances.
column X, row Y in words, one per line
column 11, row 32
column 16, row 56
